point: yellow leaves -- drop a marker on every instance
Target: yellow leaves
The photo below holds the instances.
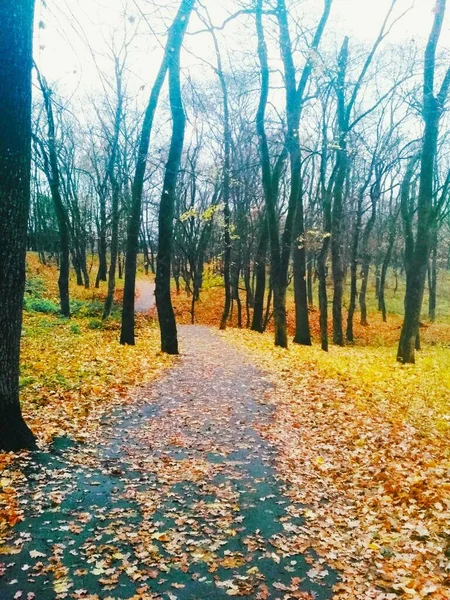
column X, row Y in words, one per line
column 310, row 514
column 62, row 586
column 8, row 550
column 67, row 378
column 161, row 536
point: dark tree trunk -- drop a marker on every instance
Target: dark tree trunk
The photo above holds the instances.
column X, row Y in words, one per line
column 309, row 280
column 102, row 244
column 16, row 22
column 77, row 268
column 302, row 330
column 323, row 294
column 115, row 217
column 354, row 270
column 384, row 269
column 432, row 280
column 336, row 249
column 281, row 246
column 120, row 261
column 226, row 188
column 375, row 196
column 134, row 221
column 417, row 252
column 338, row 199
column 52, row 172
column 260, row 288
column 166, row 315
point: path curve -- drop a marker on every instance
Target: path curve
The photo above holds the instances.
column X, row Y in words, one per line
column 145, row 296
column 177, row 500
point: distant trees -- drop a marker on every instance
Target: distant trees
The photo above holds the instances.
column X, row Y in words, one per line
column 16, row 22
column 304, row 161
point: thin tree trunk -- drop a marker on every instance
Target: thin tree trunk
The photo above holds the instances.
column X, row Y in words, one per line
column 432, row 280
column 53, row 175
column 260, row 288
column 166, row 315
column 102, row 245
column 302, row 330
column 134, row 221
column 354, row 270
column 384, row 270
column 115, row 217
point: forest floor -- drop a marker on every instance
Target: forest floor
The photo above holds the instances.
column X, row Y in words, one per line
column 237, row 469
column 176, row 497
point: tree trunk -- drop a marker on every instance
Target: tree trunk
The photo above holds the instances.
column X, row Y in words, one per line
column 384, row 270
column 419, row 252
column 375, row 196
column 174, row 39
column 102, row 245
column 336, row 248
column 260, row 288
column 354, row 271
column 51, row 168
column 115, row 217
column 302, row 330
column 432, row 280
column 166, row 315
column 16, row 21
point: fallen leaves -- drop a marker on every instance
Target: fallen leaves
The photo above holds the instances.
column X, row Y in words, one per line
column 375, row 491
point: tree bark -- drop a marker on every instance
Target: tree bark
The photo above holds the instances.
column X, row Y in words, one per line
column 52, row 172
column 260, row 288
column 134, row 221
column 166, row 315
column 419, row 251
column 16, row 21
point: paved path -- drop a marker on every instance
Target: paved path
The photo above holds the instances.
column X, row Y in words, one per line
column 177, row 499
column 145, row 299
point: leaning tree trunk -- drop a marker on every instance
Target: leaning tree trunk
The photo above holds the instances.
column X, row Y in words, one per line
column 16, row 21
column 166, row 315
column 174, row 40
column 52, row 172
column 375, row 196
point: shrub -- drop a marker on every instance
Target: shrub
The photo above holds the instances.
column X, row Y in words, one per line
column 35, row 286
column 41, row 305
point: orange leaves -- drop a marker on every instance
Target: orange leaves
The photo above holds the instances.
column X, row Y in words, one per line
column 375, row 490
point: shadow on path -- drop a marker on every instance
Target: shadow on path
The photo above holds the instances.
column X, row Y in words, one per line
column 177, row 499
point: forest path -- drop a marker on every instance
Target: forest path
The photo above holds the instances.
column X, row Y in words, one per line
column 177, row 498
column 145, row 296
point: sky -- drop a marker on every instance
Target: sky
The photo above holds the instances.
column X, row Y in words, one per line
column 73, row 36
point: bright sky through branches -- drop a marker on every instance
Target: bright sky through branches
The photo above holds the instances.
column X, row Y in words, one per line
column 68, row 27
